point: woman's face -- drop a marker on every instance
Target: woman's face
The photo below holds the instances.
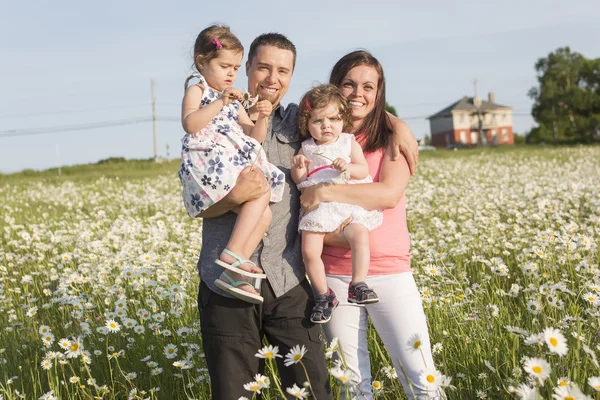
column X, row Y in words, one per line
column 359, row 86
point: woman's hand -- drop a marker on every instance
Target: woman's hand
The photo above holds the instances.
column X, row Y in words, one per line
column 337, row 238
column 311, row 197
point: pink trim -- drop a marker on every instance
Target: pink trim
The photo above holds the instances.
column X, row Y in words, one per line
column 321, row 168
column 318, row 169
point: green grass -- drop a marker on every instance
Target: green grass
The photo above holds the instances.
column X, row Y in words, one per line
column 493, row 231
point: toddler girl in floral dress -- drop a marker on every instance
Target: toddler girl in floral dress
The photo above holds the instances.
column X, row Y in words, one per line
column 220, row 142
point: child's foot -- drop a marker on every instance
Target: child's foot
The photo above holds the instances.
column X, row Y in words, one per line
column 319, row 313
column 332, row 299
column 238, row 283
column 360, row 293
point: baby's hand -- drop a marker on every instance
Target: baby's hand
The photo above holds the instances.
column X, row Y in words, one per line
column 230, row 94
column 300, row 161
column 264, row 108
column 340, row 164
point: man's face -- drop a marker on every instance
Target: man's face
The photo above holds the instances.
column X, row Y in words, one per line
column 269, row 73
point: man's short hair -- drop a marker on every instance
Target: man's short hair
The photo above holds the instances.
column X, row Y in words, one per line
column 271, row 39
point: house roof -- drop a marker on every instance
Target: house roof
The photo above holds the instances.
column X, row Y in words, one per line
column 466, row 104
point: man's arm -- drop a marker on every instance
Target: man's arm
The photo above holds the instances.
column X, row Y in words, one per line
column 404, row 142
column 250, row 185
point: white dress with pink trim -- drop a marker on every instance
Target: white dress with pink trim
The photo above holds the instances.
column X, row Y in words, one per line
column 330, row 215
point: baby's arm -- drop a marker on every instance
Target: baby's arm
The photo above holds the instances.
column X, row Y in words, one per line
column 193, row 117
column 358, row 169
column 299, row 167
column 257, row 131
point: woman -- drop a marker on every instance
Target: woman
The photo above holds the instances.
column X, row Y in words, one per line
column 399, row 315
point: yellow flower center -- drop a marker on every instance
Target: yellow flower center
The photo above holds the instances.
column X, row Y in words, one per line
column 569, row 398
column 74, row 347
column 537, row 369
column 430, row 378
column 553, row 342
column 297, row 357
column 562, row 383
column 268, row 355
column 343, row 378
column 417, row 344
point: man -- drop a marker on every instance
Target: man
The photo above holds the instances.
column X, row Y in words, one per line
column 232, row 330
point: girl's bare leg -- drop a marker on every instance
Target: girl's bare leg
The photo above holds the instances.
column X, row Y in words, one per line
column 358, row 237
column 253, row 220
column 312, row 247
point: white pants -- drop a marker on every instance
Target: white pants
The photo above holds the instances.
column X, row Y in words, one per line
column 398, row 315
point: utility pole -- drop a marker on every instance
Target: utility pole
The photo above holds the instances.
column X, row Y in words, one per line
column 477, row 104
column 58, row 159
column 154, row 120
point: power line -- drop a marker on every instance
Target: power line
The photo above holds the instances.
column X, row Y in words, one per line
column 132, row 121
column 69, row 128
column 73, row 111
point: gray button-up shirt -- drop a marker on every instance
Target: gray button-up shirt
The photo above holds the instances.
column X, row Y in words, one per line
column 279, row 254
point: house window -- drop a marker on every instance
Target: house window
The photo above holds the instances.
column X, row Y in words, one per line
column 505, row 135
column 474, row 137
column 494, row 136
column 463, row 137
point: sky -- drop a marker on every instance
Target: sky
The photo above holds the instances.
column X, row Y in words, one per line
column 69, row 63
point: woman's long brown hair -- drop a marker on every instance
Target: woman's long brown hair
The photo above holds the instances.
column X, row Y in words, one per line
column 375, row 125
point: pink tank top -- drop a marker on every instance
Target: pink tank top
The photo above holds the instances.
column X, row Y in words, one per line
column 389, row 243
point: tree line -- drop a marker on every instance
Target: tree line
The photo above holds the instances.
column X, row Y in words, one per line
column 567, row 99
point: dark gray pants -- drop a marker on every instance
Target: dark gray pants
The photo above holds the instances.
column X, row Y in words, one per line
column 232, row 332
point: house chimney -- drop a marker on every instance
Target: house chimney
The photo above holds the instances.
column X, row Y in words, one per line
column 491, row 97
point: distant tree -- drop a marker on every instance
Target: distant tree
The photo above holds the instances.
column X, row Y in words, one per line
column 567, row 100
column 518, row 138
column 390, row 109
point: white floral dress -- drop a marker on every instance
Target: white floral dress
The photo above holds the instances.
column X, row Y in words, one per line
column 212, row 159
column 330, row 215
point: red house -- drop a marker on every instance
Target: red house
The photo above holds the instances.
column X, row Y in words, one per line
column 472, row 121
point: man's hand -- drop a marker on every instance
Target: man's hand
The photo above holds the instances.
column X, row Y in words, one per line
column 405, row 143
column 250, row 185
column 264, row 108
column 300, row 161
column 340, row 164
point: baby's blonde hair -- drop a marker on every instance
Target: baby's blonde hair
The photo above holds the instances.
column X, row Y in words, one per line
column 320, row 97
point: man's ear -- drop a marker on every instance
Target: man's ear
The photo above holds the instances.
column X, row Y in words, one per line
column 247, row 66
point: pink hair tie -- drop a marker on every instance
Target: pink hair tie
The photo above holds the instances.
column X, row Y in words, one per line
column 218, row 45
column 307, row 104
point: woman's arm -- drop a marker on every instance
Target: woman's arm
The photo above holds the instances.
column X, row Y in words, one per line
column 393, row 179
column 194, row 118
column 404, row 142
